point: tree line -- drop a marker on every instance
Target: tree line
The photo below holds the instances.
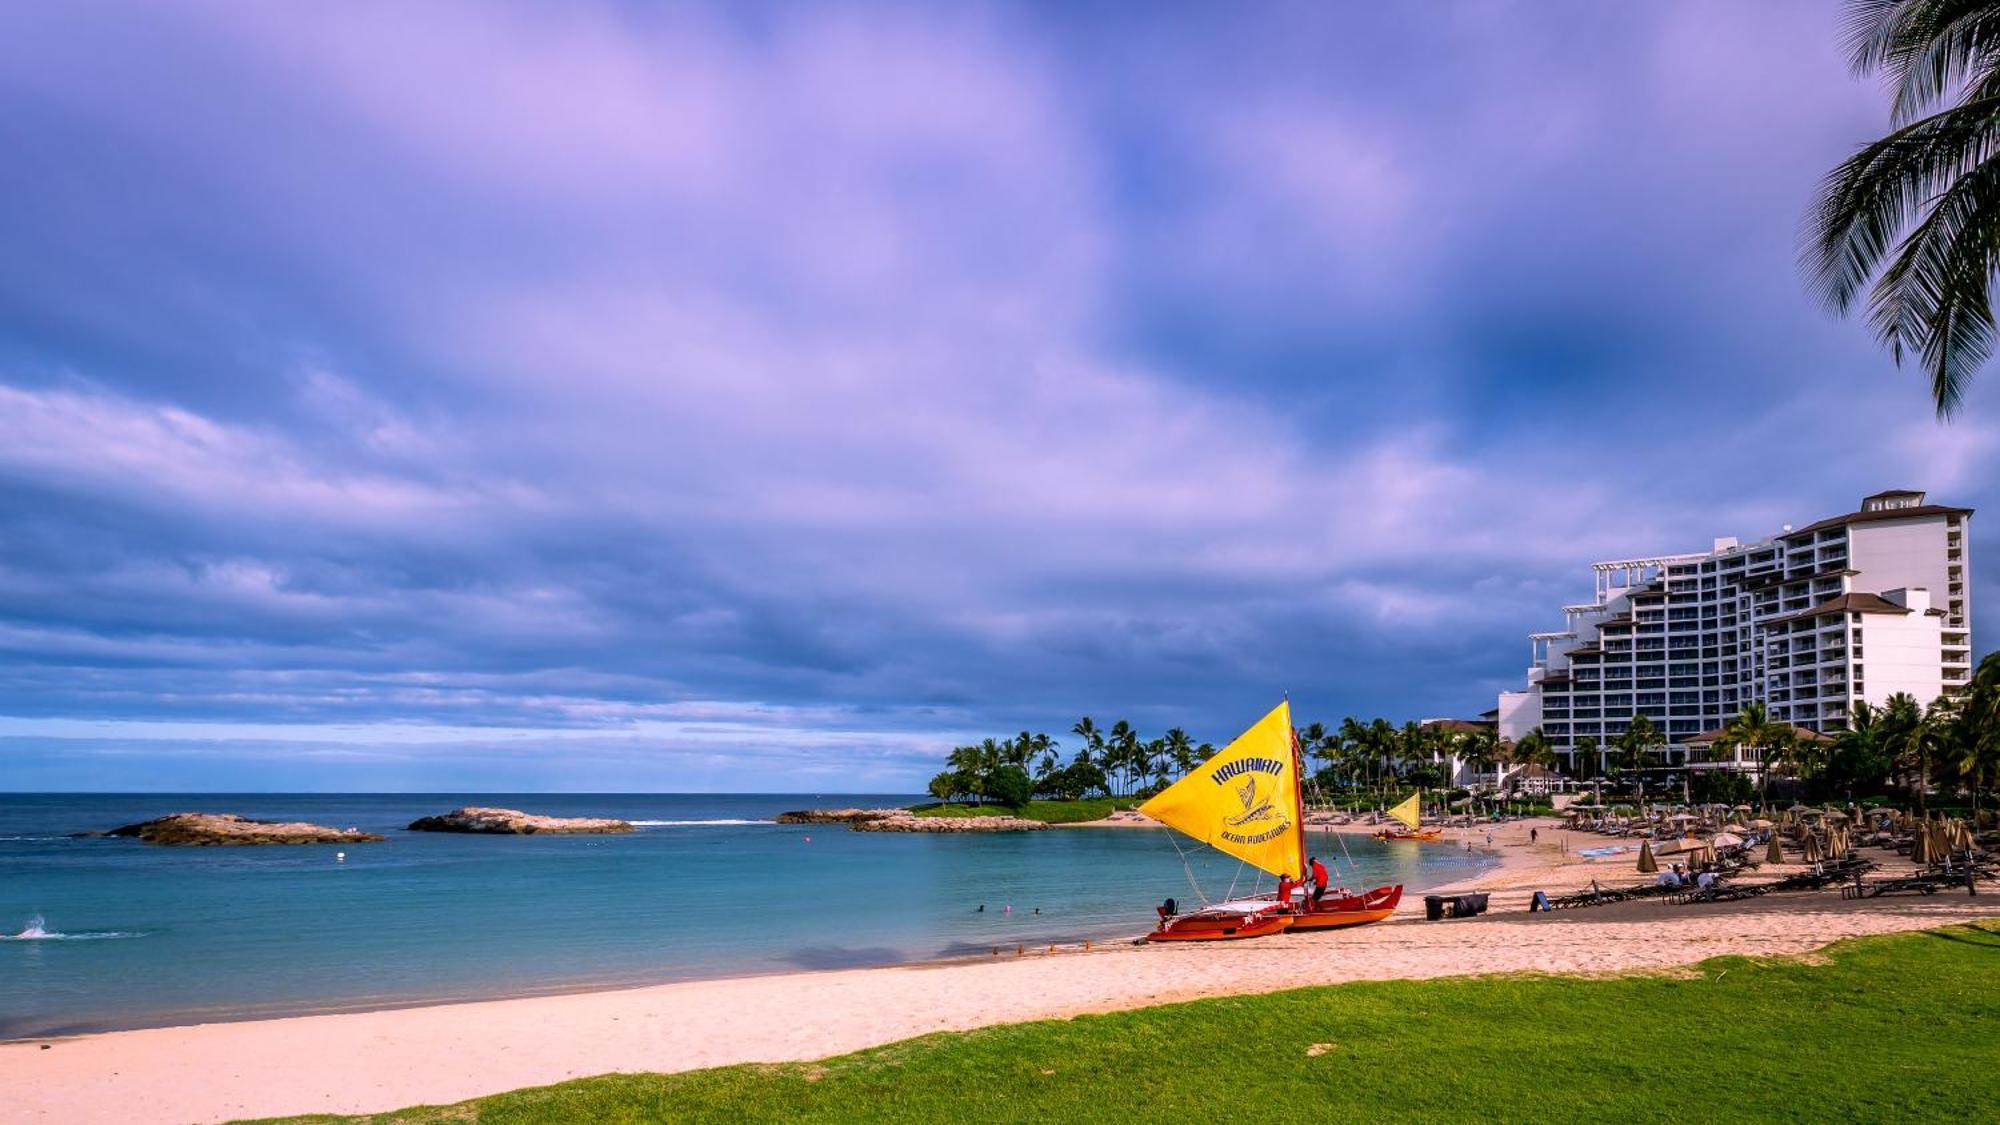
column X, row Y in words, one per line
column 1951, row 744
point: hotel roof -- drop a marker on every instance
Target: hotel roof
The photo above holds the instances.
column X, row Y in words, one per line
column 1846, row 603
column 1917, row 512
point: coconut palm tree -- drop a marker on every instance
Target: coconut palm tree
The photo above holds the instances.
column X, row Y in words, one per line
column 1930, row 743
column 1587, row 758
column 1913, row 219
column 1753, row 729
column 1180, row 752
column 1535, row 749
column 1123, row 745
column 1978, row 758
column 1636, row 746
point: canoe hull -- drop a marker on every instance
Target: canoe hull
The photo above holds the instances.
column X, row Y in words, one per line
column 1426, row 834
column 1220, row 927
column 1262, row 921
column 1355, row 910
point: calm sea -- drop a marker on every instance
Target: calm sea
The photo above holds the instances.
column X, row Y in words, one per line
column 123, row 934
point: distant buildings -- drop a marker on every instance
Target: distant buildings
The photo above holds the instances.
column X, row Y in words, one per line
column 1855, row 607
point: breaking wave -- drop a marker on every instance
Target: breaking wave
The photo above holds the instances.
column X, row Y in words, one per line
column 688, row 823
column 37, row 930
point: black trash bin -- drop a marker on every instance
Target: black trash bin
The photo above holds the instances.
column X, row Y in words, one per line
column 1433, row 908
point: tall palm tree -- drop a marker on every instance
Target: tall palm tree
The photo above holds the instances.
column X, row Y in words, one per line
column 1587, row 758
column 1753, row 729
column 1123, row 746
column 1535, row 749
column 1180, row 751
column 1978, row 759
column 1900, row 718
column 1636, row 746
column 1932, row 742
column 1914, row 217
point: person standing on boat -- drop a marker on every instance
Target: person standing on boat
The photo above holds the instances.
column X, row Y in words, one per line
column 1285, row 885
column 1318, row 871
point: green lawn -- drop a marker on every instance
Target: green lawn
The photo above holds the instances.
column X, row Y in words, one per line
column 1048, row 812
column 1899, row 1028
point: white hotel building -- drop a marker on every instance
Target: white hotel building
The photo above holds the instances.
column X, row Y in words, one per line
column 1855, row 607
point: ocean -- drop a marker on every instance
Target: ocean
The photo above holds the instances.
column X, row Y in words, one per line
column 105, row 934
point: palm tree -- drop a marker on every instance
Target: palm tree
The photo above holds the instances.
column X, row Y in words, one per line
column 1635, row 750
column 1123, row 747
column 1931, row 742
column 1914, row 217
column 1180, row 751
column 1978, row 759
column 1858, row 754
column 1900, row 717
column 1480, row 749
column 1753, row 729
column 1535, row 749
column 1588, row 759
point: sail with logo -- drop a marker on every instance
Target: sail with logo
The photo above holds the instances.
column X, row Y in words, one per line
column 1248, row 801
column 1244, row 801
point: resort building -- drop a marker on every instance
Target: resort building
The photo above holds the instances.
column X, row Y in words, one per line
column 1856, row 607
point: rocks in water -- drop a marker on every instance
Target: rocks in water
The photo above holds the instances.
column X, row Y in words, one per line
column 194, row 829
column 909, row 822
column 514, row 822
column 903, row 820
column 837, row 816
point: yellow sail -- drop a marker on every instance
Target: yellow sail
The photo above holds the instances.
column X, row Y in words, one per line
column 1409, row 813
column 1245, row 800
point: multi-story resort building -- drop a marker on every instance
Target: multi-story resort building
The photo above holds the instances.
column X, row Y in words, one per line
column 1853, row 608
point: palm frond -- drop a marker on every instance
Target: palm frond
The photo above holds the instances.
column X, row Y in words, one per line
column 1872, row 196
column 1933, row 299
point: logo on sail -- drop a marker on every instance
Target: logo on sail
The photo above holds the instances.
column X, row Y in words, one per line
column 1253, row 824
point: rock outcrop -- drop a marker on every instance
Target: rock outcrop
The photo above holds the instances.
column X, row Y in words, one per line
column 195, row 829
column 514, row 822
column 908, row 822
column 903, row 820
column 837, row 816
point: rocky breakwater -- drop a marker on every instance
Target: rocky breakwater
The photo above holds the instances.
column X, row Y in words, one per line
column 194, row 829
column 903, row 820
column 514, row 822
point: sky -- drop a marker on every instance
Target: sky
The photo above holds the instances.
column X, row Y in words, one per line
column 620, row 396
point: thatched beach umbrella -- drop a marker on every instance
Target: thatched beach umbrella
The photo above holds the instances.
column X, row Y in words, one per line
column 1920, row 847
column 1776, row 852
column 1811, row 848
column 1647, row 864
column 1727, row 840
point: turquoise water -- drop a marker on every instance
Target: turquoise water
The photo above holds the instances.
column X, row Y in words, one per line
column 133, row 935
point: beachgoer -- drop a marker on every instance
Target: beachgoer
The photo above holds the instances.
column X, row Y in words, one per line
column 1534, row 834
column 1285, row 886
column 1318, row 870
column 1705, row 879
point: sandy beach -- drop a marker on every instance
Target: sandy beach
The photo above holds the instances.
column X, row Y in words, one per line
column 373, row 1061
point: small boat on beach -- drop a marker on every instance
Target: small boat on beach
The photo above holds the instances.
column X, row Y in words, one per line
column 1410, row 815
column 1247, row 801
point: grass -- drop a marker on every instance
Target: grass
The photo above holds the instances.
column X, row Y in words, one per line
column 1898, row 1028
column 1048, row 812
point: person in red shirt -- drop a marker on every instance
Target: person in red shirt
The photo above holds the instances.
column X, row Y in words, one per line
column 1285, row 886
column 1318, row 870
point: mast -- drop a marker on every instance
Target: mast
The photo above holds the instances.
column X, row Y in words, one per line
column 1298, row 785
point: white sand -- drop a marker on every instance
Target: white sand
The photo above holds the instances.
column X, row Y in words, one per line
column 376, row 1061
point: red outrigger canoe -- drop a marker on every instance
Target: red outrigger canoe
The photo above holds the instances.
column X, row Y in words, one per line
column 1421, row 834
column 1262, row 916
